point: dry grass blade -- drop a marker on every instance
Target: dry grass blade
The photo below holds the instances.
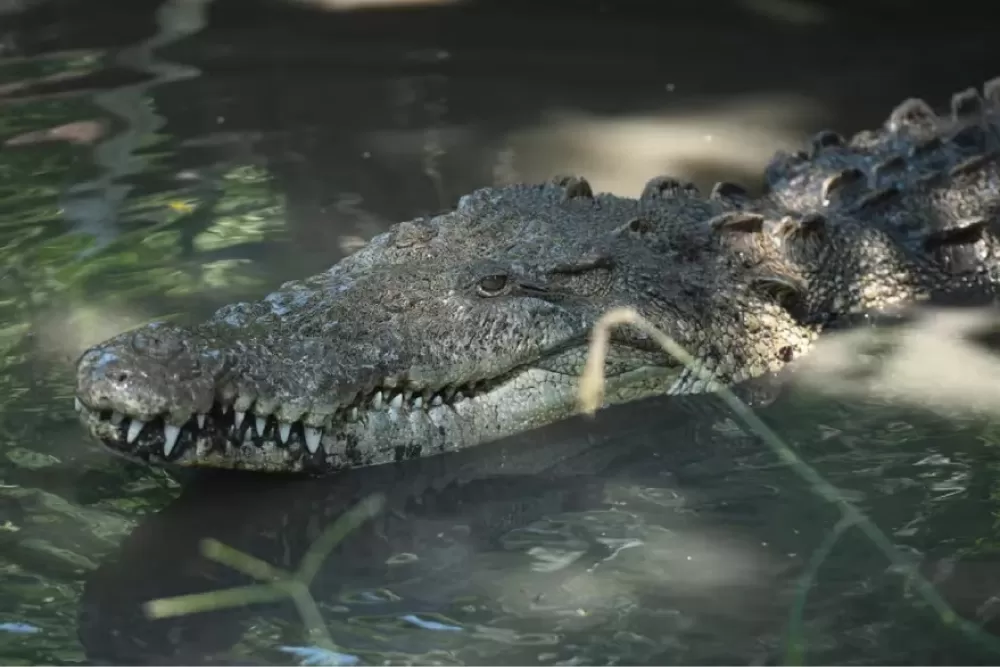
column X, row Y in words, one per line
column 591, row 391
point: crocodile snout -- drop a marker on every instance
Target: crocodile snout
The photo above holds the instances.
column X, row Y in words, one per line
column 156, row 370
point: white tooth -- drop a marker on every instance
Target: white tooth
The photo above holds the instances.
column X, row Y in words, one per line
column 459, row 396
column 200, row 417
column 418, row 402
column 238, row 418
column 436, row 401
column 261, row 423
column 134, row 429
column 313, row 436
column 352, row 414
column 117, row 417
column 242, row 403
column 284, row 430
column 77, row 405
column 170, row 433
column 377, row 400
column 407, row 395
column 397, row 402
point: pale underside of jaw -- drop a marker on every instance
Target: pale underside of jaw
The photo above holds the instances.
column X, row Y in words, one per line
column 388, row 425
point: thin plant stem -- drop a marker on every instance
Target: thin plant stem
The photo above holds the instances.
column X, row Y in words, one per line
column 182, row 605
column 331, row 537
column 591, row 394
column 795, row 646
column 241, row 562
column 278, row 584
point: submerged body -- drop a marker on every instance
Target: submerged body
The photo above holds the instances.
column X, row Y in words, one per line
column 458, row 330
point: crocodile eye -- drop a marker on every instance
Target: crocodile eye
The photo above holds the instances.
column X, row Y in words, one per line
column 492, row 285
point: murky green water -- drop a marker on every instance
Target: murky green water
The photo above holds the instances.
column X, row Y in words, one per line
column 161, row 159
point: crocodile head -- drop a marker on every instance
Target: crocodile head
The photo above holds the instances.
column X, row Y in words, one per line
column 445, row 333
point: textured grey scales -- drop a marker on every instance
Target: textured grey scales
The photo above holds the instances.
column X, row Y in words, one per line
column 454, row 331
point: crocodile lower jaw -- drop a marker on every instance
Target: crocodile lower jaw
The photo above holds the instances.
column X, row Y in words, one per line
column 387, row 427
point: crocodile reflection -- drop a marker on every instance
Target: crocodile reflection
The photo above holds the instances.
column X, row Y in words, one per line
column 499, row 549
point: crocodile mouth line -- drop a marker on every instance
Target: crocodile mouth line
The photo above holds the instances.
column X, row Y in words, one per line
column 222, row 429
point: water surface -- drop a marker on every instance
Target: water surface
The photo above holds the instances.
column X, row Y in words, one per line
column 158, row 160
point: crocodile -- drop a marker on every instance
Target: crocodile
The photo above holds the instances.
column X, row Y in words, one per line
column 459, row 329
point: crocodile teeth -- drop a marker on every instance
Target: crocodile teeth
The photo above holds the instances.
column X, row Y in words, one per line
column 77, row 405
column 134, row 429
column 377, row 400
column 117, row 418
column 418, row 402
column 170, row 435
column 397, row 402
column 260, row 424
column 238, row 417
column 437, row 400
column 201, row 419
column 352, row 414
column 284, row 430
column 313, row 436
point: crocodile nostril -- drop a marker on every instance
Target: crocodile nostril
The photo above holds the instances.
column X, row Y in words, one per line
column 123, row 376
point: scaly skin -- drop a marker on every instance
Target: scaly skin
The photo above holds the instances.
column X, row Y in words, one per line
column 454, row 331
